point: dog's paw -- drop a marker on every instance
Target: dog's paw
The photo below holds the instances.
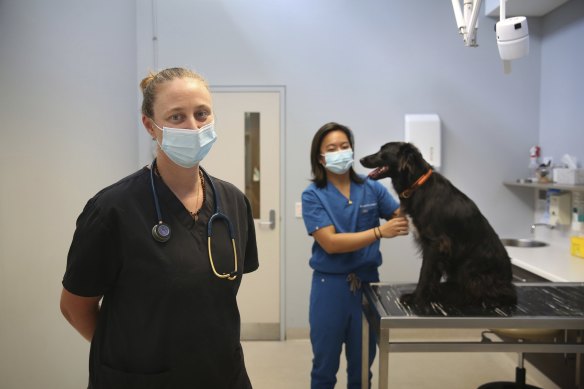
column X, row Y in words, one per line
column 408, row 299
column 416, row 304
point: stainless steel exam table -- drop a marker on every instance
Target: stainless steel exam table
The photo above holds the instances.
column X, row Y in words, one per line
column 546, row 305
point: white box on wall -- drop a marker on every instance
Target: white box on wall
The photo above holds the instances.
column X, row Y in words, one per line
column 423, row 130
column 560, row 208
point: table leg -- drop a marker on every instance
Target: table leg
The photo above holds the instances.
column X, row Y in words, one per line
column 383, row 358
column 579, row 383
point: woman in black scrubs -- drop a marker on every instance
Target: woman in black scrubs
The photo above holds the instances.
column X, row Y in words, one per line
column 168, row 316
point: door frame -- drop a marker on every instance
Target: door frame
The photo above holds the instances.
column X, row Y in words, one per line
column 281, row 90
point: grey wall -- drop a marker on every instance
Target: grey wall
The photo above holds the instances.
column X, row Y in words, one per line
column 562, row 82
column 367, row 64
column 70, row 123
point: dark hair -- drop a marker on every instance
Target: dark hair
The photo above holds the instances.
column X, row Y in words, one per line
column 319, row 171
column 150, row 82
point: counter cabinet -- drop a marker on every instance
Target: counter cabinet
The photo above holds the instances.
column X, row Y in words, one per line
column 560, row 368
column 522, row 275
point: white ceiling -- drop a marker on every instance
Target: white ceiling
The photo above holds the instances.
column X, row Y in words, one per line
column 533, row 8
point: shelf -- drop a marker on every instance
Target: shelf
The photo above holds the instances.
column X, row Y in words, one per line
column 572, row 188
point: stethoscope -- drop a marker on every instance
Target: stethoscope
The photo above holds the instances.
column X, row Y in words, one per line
column 161, row 232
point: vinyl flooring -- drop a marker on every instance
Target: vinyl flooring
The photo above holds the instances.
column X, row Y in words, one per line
column 287, row 364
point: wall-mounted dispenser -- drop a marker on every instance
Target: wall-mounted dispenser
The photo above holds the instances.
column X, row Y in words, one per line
column 423, row 130
column 560, row 208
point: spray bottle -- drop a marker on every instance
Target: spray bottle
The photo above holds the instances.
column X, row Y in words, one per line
column 534, row 153
column 577, row 212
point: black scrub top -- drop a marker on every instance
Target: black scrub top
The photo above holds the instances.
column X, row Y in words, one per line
column 166, row 321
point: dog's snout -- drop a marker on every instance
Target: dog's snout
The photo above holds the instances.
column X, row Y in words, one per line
column 366, row 162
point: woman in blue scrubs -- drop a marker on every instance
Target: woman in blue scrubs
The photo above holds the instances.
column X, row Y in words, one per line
column 159, row 313
column 341, row 211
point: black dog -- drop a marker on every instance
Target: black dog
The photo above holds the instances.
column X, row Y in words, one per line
column 458, row 244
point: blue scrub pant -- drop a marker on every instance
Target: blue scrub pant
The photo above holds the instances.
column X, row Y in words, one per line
column 335, row 318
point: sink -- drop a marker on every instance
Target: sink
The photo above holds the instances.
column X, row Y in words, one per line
column 512, row 242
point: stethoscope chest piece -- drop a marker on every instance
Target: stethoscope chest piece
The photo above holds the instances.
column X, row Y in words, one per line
column 161, row 232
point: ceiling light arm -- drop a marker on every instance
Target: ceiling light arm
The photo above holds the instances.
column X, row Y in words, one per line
column 467, row 22
column 503, row 16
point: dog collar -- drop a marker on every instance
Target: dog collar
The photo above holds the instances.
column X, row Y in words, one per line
column 419, row 182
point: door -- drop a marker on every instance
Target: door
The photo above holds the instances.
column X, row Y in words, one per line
column 247, row 154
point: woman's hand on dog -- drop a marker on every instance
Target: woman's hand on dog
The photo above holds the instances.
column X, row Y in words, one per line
column 395, row 227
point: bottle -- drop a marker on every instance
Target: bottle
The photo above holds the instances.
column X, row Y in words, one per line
column 575, row 222
column 534, row 153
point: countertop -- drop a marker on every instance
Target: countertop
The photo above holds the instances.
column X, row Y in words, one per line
column 553, row 262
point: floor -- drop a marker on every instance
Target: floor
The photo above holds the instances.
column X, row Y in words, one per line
column 287, row 364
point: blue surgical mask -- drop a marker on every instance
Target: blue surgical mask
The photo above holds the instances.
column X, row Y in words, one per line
column 339, row 162
column 187, row 147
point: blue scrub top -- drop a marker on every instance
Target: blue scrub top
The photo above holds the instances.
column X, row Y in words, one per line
column 322, row 207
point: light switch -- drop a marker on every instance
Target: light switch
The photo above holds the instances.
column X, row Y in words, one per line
column 298, row 210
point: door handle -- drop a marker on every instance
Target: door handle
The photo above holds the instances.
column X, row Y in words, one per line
column 272, row 222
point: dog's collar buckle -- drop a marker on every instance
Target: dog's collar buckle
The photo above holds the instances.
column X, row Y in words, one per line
column 406, row 193
column 419, row 182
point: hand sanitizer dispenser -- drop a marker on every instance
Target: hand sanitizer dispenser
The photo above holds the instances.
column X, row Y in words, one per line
column 423, row 130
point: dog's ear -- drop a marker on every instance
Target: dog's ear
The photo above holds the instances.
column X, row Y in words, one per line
column 406, row 157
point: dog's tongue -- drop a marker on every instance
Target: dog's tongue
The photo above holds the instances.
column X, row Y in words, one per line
column 374, row 174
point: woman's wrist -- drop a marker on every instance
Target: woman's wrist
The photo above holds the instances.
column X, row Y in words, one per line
column 377, row 233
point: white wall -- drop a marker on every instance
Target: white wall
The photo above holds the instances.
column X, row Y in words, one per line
column 68, row 124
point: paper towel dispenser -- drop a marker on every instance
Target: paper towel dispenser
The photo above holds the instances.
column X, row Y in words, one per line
column 423, row 130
